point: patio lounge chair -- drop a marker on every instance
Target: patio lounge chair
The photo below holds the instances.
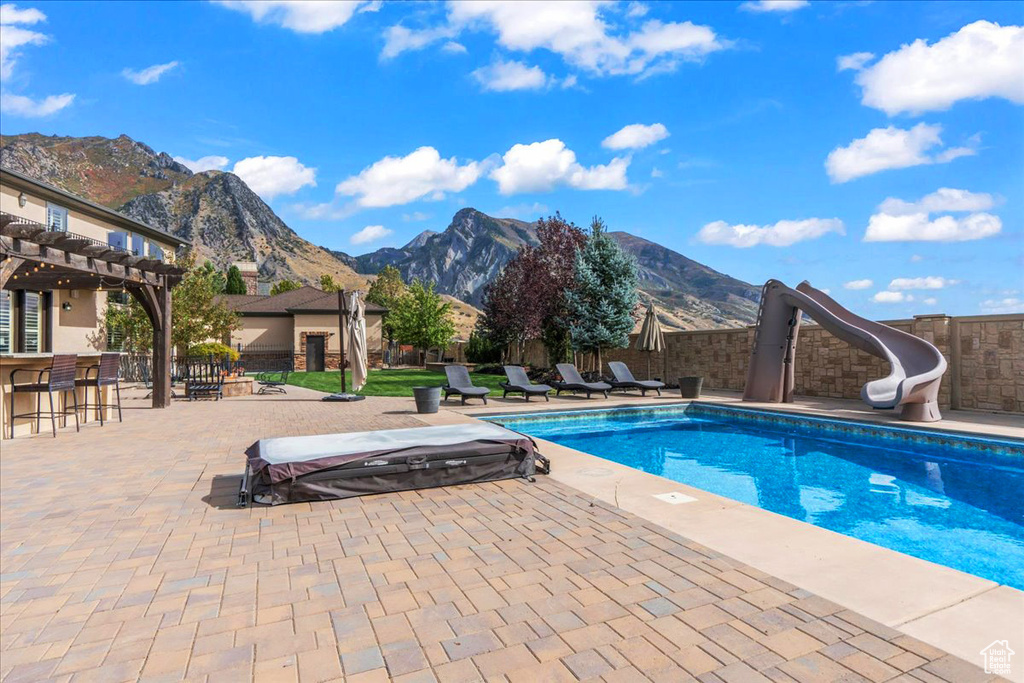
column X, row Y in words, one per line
column 204, row 379
column 623, row 379
column 459, row 383
column 572, row 381
column 272, row 386
column 519, row 383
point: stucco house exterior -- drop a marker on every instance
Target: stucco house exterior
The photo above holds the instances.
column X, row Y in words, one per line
column 302, row 323
column 69, row 320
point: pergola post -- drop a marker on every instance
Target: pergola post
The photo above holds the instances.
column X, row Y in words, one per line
column 156, row 301
column 8, row 265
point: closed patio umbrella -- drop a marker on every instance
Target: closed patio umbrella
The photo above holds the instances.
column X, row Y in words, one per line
column 651, row 338
column 357, row 341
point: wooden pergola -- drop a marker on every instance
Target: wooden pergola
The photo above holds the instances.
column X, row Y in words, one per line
column 33, row 257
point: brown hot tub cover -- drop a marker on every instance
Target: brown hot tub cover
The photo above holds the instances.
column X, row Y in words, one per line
column 331, row 466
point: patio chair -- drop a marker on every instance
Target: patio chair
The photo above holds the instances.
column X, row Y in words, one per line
column 460, row 384
column 106, row 374
column 572, row 381
column 623, row 379
column 204, row 379
column 519, row 383
column 60, row 378
column 272, row 386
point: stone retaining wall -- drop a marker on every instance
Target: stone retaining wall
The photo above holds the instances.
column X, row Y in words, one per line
column 985, row 355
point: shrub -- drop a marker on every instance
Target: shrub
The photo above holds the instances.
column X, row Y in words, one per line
column 213, row 349
column 480, row 349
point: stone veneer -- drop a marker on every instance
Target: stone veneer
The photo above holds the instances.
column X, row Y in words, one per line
column 985, row 356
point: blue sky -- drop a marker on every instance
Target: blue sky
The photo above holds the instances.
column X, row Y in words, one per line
column 760, row 139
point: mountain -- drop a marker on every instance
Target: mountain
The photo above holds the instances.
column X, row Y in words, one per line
column 464, row 258
column 216, row 211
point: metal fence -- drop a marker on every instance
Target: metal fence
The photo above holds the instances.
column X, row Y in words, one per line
column 138, row 367
column 265, row 357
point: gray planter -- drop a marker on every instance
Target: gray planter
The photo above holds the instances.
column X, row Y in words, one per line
column 427, row 399
column 689, row 387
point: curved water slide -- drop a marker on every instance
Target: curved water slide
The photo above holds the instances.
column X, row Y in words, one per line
column 916, row 366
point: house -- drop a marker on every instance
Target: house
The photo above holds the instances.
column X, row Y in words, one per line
column 301, row 324
column 997, row 657
column 58, row 318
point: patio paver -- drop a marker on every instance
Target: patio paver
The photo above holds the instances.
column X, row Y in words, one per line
column 123, row 556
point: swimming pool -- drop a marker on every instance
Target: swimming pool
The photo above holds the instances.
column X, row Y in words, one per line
column 950, row 499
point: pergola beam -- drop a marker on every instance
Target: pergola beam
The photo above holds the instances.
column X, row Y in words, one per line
column 53, row 256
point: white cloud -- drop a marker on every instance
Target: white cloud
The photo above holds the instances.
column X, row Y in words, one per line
column 979, row 61
column 901, row 221
column 301, row 16
column 272, row 176
column 502, row 76
column 371, row 233
column 207, row 163
column 916, row 258
column 929, row 282
column 636, row 10
column 12, row 37
column 891, row 297
column 543, row 166
column 943, row 199
column 657, row 173
column 415, row 216
column 917, row 227
column 636, row 136
column 529, row 211
column 454, row 47
column 400, row 180
column 858, row 284
column 930, row 301
column 781, row 234
column 774, row 5
column 399, row 39
column 1007, row 305
column 585, row 34
column 854, row 62
column 888, row 148
column 20, row 105
column 151, row 74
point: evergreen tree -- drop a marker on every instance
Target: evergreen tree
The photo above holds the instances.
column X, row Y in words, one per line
column 604, row 295
column 234, row 284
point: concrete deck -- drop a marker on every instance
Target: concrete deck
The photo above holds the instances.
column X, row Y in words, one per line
column 124, row 558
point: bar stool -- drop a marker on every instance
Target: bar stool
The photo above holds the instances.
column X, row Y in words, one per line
column 107, row 374
column 60, row 378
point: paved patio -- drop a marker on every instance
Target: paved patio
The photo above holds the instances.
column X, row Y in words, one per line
column 124, row 557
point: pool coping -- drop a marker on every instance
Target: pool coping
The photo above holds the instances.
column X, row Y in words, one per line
column 955, row 611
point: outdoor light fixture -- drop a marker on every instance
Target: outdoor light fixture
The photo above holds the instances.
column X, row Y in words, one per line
column 66, row 306
column 22, row 200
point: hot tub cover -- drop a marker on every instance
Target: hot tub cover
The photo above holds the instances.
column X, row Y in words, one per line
column 326, row 466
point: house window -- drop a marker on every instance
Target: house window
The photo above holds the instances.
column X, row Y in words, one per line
column 155, row 252
column 56, row 218
column 5, row 321
column 118, row 240
column 115, row 335
column 32, row 326
column 138, row 244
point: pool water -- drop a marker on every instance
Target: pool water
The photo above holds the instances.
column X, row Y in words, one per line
column 955, row 501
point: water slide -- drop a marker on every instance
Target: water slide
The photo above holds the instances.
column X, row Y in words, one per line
column 916, row 366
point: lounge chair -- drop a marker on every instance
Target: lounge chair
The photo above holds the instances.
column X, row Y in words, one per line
column 572, row 381
column 460, row 384
column 623, row 379
column 519, row 383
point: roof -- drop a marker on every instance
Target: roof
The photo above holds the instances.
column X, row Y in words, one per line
column 47, row 191
column 303, row 300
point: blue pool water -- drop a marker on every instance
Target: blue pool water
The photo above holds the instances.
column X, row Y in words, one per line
column 956, row 502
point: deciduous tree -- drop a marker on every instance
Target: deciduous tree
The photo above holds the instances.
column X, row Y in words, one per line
column 423, row 318
column 284, row 286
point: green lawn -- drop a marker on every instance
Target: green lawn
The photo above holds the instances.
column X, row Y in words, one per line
column 387, row 382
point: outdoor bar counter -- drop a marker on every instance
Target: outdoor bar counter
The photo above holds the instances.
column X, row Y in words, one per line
column 26, row 402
